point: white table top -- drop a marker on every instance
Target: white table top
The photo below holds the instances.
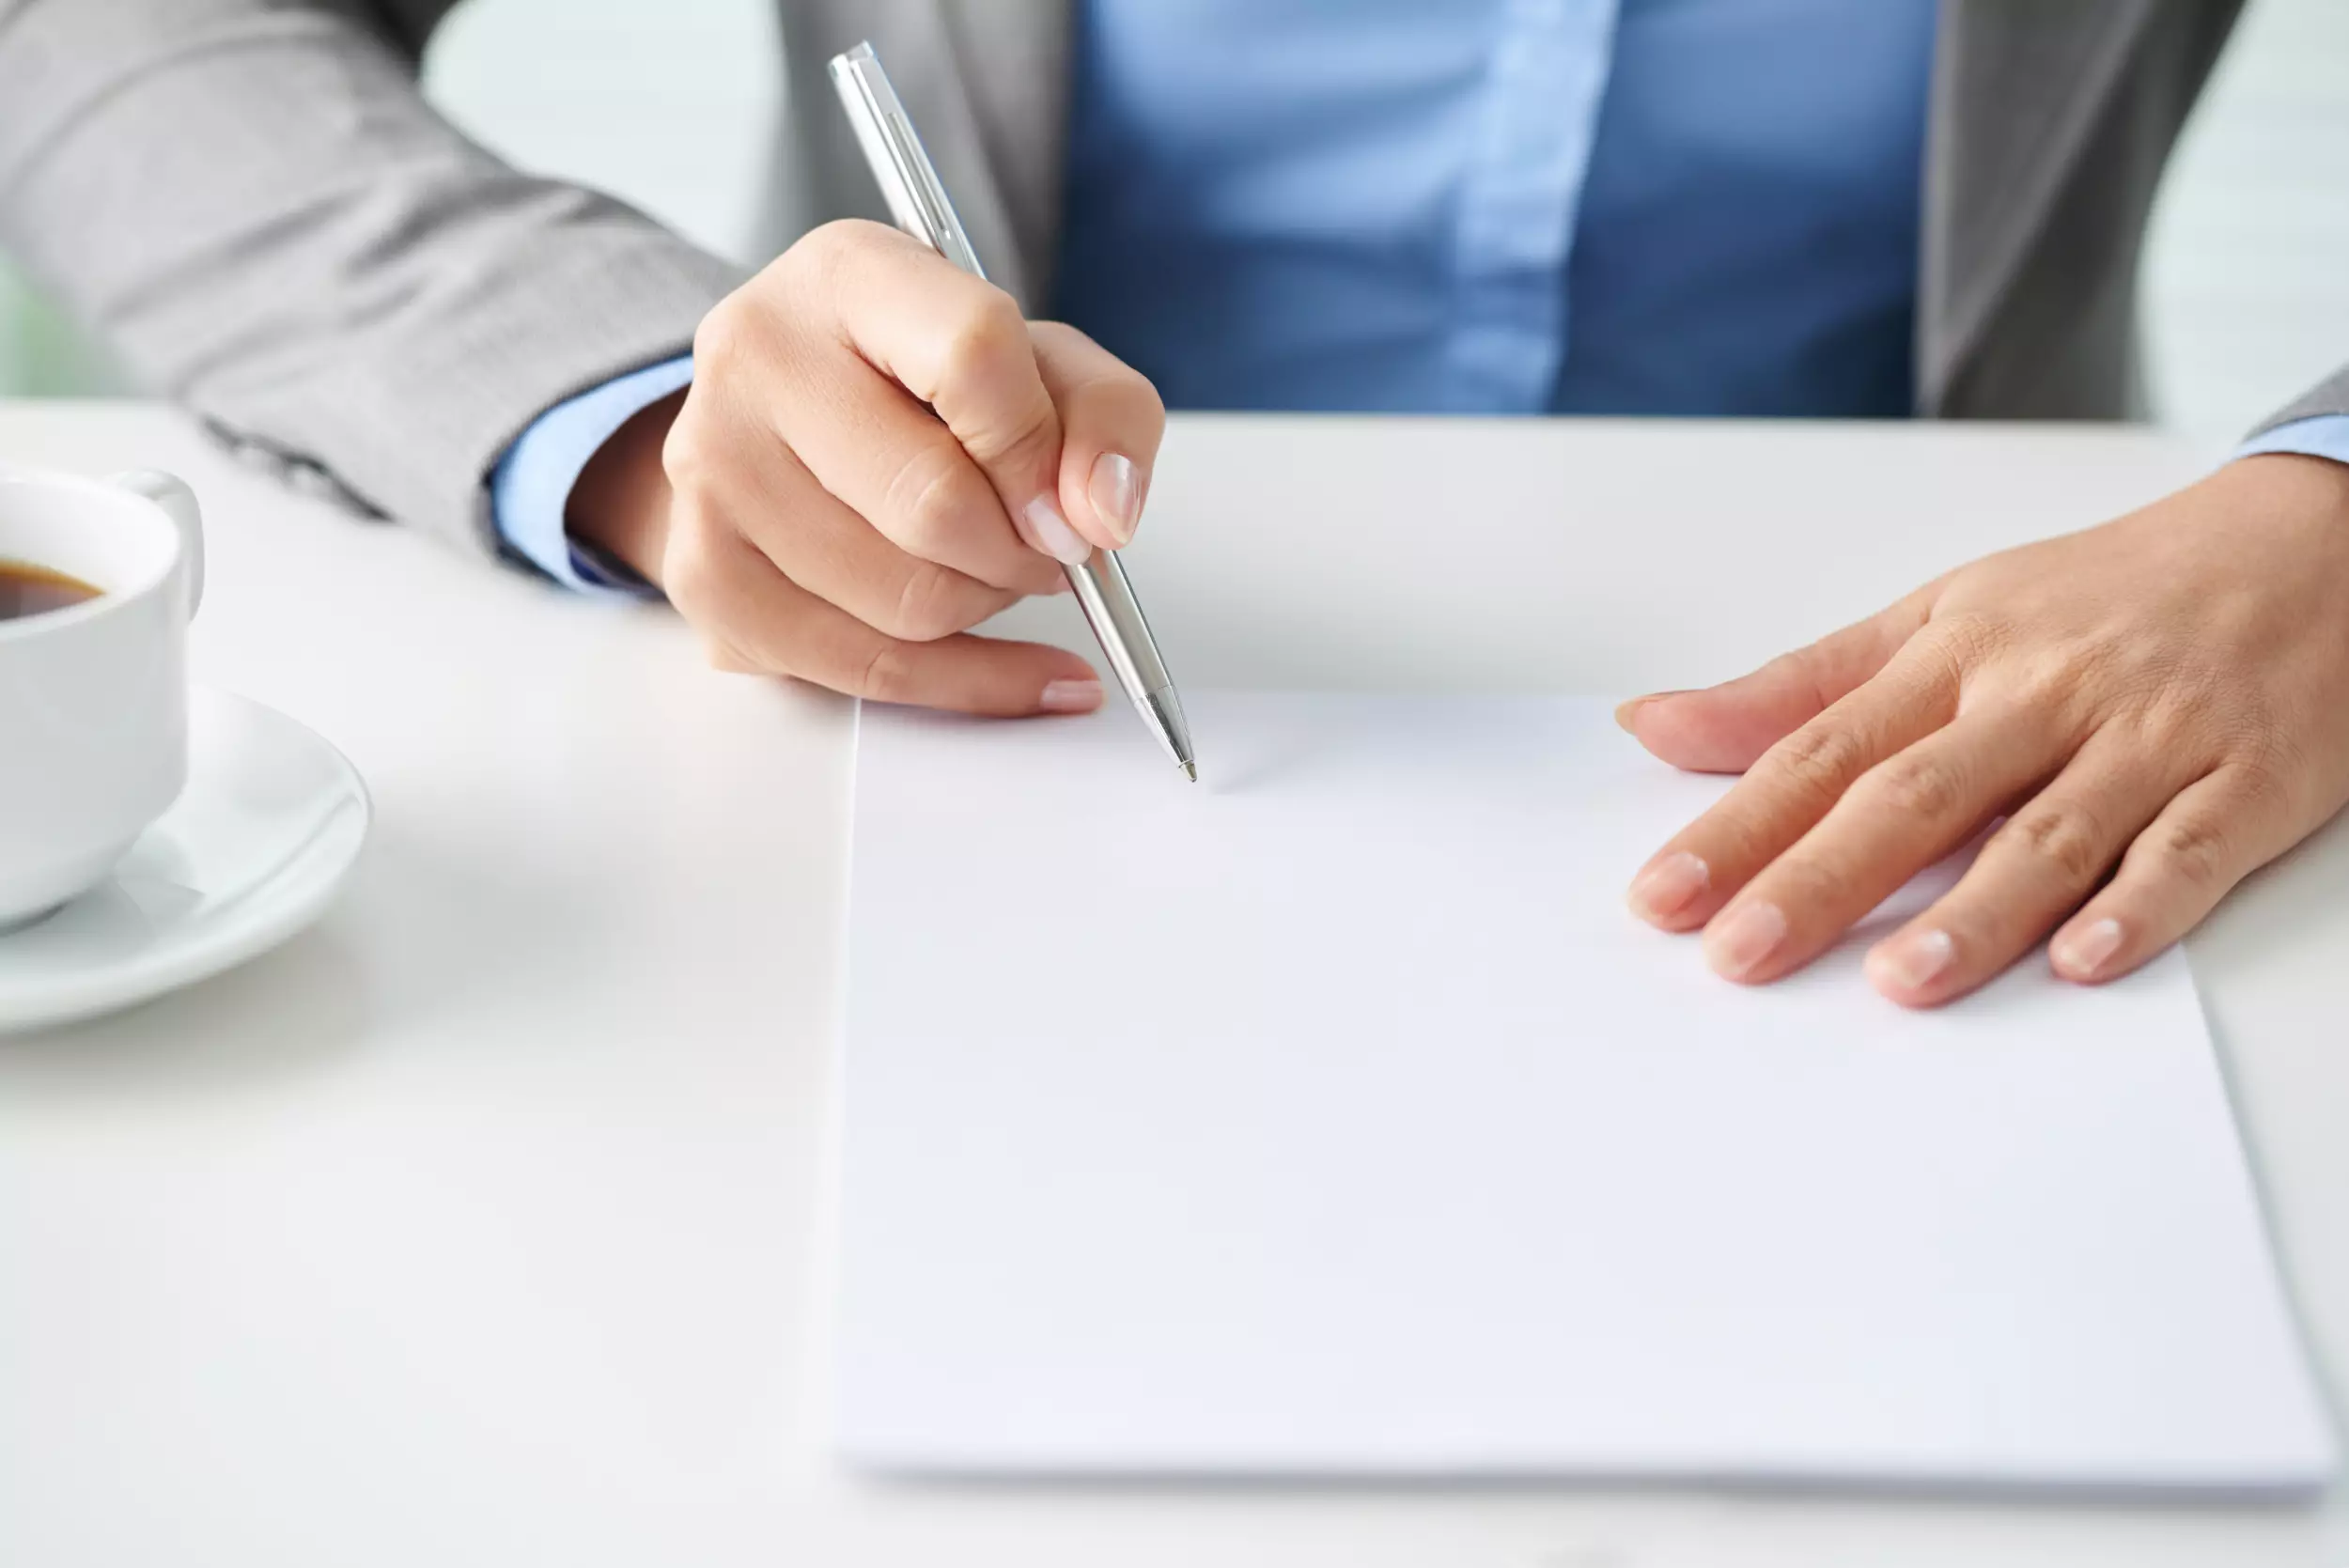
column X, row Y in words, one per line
column 482, row 1224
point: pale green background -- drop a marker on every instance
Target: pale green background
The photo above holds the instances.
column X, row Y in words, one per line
column 2247, row 280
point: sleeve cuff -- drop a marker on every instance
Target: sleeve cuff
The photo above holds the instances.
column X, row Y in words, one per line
column 2323, row 435
column 531, row 486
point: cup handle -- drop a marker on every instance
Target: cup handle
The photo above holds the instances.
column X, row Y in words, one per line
column 178, row 503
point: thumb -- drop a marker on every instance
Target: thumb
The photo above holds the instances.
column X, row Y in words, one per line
column 1725, row 728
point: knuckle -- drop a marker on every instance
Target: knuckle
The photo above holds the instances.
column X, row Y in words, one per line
column 822, row 251
column 853, row 237
column 989, row 331
column 2055, row 679
column 887, row 674
column 1956, row 656
column 2159, row 718
column 930, row 604
column 721, row 336
column 1025, row 440
column 2267, row 770
column 1968, row 637
column 2193, row 849
column 1821, row 760
column 1941, row 672
column 1825, row 882
column 825, row 241
column 933, row 498
column 1925, row 787
column 686, row 456
column 2065, row 838
column 2172, row 700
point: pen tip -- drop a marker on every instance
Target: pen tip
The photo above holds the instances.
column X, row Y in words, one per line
column 1190, row 771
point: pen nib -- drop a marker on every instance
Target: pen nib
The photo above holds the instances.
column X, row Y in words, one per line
column 1190, row 771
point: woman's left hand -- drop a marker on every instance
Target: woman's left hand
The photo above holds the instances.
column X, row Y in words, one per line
column 2167, row 694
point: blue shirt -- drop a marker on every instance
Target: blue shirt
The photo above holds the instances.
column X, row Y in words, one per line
column 1659, row 207
column 1689, row 206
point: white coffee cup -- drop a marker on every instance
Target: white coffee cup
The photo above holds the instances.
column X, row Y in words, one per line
column 93, row 696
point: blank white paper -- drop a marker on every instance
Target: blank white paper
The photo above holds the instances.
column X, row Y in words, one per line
column 1333, row 1116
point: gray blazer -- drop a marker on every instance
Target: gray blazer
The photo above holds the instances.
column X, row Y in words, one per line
column 248, row 201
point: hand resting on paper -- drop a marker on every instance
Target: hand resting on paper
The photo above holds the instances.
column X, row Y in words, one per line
column 878, row 454
column 2158, row 706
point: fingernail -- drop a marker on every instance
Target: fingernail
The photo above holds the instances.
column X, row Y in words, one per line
column 1049, row 532
column 2081, row 954
column 1070, row 696
column 1669, row 886
column 1115, row 491
column 1627, row 712
column 1913, row 961
column 1738, row 945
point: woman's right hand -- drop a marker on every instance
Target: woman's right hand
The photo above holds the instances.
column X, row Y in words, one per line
column 876, row 454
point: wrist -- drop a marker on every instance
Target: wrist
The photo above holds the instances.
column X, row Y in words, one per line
column 620, row 503
column 2303, row 484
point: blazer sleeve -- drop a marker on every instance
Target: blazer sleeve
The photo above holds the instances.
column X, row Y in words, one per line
column 251, row 206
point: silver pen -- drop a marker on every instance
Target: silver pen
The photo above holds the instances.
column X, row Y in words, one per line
column 918, row 202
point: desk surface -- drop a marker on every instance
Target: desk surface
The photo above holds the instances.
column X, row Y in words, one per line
column 482, row 1223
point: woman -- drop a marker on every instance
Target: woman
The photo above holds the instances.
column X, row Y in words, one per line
column 1804, row 207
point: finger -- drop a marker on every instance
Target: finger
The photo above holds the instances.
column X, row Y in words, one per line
column 961, row 345
column 1793, row 785
column 892, row 462
column 1904, row 815
column 1111, row 421
column 2216, row 831
column 756, row 616
column 827, row 549
column 1722, row 729
column 2030, row 873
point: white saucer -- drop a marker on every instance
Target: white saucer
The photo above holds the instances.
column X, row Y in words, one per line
column 256, row 844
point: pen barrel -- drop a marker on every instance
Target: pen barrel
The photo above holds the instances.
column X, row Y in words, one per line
column 901, row 164
column 917, row 200
column 1115, row 615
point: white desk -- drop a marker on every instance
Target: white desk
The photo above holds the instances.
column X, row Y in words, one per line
column 481, row 1225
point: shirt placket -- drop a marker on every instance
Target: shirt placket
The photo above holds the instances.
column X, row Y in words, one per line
column 1520, row 195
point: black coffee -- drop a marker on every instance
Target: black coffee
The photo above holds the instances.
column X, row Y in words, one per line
column 30, row 590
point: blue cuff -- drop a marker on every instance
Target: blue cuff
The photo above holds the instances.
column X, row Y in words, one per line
column 532, row 484
column 2323, row 435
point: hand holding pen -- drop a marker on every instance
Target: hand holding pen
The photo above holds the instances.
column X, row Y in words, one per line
column 876, row 454
column 919, row 203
